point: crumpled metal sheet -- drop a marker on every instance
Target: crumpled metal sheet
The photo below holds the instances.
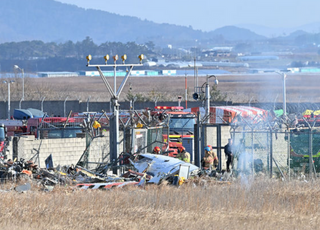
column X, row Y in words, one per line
column 160, row 166
column 23, row 188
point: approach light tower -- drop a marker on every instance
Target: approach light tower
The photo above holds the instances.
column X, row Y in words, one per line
column 115, row 94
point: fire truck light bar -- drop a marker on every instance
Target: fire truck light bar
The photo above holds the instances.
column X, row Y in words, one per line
column 169, row 107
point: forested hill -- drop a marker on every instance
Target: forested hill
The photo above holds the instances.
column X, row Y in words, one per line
column 48, row 20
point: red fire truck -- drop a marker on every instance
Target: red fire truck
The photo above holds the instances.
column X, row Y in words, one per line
column 14, row 127
column 54, row 127
column 177, row 123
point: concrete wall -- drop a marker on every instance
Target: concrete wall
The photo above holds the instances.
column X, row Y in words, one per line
column 65, row 151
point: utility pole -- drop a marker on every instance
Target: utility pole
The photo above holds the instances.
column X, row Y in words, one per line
column 64, row 107
column 284, row 95
column 115, row 94
column 88, row 103
column 208, row 96
column 16, row 67
column 8, row 83
column 42, row 103
column 186, row 91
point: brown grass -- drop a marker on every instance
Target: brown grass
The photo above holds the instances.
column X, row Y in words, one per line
column 264, row 204
column 239, row 88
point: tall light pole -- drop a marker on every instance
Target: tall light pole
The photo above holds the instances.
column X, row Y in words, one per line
column 88, row 103
column 186, row 91
column 15, row 67
column 42, row 103
column 133, row 101
column 64, row 106
column 284, row 76
column 8, row 83
column 115, row 94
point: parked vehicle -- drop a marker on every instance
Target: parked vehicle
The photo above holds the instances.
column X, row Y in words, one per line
column 177, row 124
column 3, row 142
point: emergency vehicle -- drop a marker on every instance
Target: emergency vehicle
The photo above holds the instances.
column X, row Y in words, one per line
column 54, row 127
column 51, row 127
column 180, row 125
column 14, row 127
column 311, row 117
column 3, row 141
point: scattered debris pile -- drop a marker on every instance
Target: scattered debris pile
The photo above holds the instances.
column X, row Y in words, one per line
column 148, row 169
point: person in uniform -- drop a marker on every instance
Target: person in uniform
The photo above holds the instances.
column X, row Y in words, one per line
column 215, row 158
column 156, row 150
column 228, row 150
column 183, row 154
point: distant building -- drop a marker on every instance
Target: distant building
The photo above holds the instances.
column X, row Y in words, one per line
column 58, row 74
column 138, row 73
column 294, row 70
column 151, row 73
column 168, row 72
column 256, row 58
column 150, row 63
column 105, row 73
column 309, row 70
column 304, row 70
column 216, row 53
column 134, row 73
column 222, row 48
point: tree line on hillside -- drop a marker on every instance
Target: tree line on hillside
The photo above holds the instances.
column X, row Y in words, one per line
column 67, row 56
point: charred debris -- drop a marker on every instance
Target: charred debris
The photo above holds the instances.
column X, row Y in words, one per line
column 136, row 167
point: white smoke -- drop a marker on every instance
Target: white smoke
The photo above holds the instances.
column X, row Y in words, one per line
column 245, row 169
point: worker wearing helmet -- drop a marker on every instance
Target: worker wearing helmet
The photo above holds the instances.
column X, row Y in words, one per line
column 207, row 161
column 215, row 157
column 183, row 154
column 156, row 150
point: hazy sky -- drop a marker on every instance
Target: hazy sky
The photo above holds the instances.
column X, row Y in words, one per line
column 211, row 14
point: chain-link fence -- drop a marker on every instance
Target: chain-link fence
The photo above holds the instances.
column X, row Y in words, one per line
column 261, row 151
column 266, row 148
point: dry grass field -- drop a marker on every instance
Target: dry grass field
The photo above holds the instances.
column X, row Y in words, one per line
column 263, row 204
column 239, row 88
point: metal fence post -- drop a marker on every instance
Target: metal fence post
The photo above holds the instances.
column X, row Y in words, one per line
column 289, row 156
column 197, row 141
column 271, row 153
column 219, row 144
column 310, row 154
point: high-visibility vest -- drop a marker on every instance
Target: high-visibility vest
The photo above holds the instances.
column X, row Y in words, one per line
column 315, row 156
column 185, row 156
column 96, row 125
